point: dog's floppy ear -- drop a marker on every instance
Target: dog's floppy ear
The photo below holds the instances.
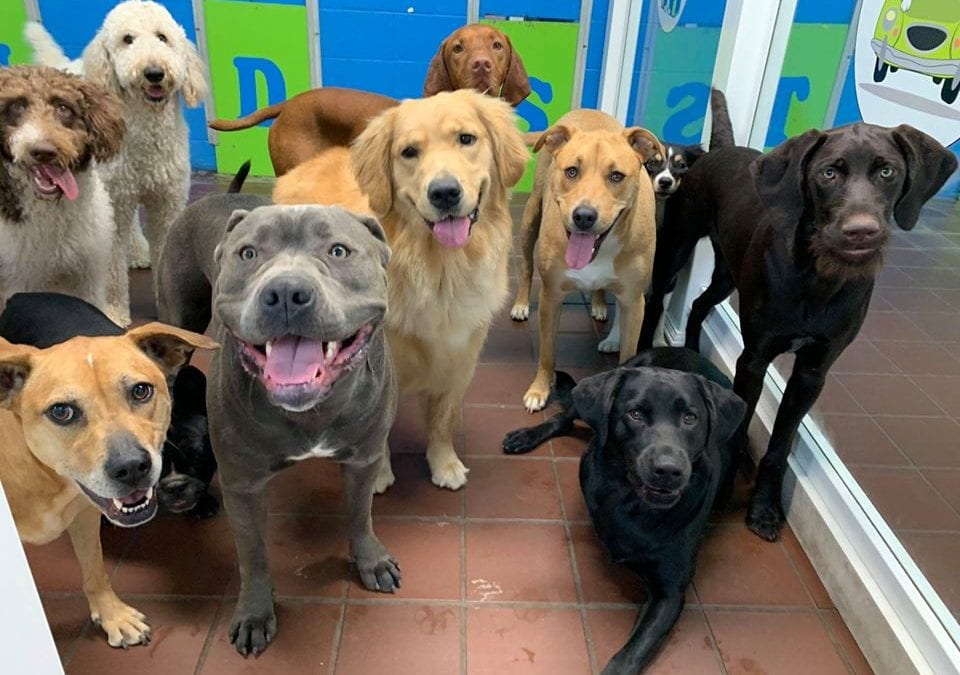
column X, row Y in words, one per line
column 103, row 114
column 15, row 367
column 929, row 165
column 644, row 143
column 235, row 219
column 98, row 66
column 438, row 78
column 373, row 225
column 725, row 408
column 168, row 346
column 516, row 82
column 553, row 138
column 371, row 161
column 593, row 397
column 195, row 85
column 509, row 151
column 780, row 173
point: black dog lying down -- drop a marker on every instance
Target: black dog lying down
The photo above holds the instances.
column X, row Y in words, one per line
column 660, row 456
column 45, row 319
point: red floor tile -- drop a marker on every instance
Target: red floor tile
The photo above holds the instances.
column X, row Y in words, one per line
column 408, row 638
column 67, row 618
column 413, row 494
column 891, row 326
column 805, row 569
column 55, row 568
column 947, row 483
column 927, row 441
column 308, row 556
column 945, row 391
column 512, row 488
column 858, row 439
column 507, row 346
column 919, row 358
column 836, row 399
column 889, row 395
column 310, row 487
column 906, row 500
column 568, row 472
column 573, row 445
column 937, row 553
column 848, row 645
column 304, row 642
column 518, row 562
column 484, row 427
column 504, row 641
column 602, row 580
column 500, row 384
column 863, row 356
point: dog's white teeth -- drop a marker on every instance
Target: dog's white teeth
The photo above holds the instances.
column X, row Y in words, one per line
column 149, row 494
column 118, row 504
column 333, row 348
column 269, row 348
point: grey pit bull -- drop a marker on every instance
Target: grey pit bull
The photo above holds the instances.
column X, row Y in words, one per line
column 298, row 302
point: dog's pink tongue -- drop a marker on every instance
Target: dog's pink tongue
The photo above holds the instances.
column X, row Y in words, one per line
column 134, row 497
column 293, row 360
column 579, row 250
column 63, row 179
column 452, row 231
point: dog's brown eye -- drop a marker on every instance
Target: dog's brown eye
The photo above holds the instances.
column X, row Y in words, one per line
column 571, row 172
column 616, row 177
column 689, row 418
column 17, row 107
column 128, row 39
column 141, row 392
column 635, row 414
column 467, row 139
column 498, row 45
column 457, row 48
column 64, row 110
column 409, row 152
column 63, row 413
column 680, row 164
column 887, row 172
column 339, row 251
column 248, row 253
column 162, row 37
column 829, row 173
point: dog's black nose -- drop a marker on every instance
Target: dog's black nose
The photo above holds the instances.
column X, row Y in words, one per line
column 665, row 183
column 128, row 462
column 44, row 153
column 285, row 298
column 861, row 229
column 668, row 468
column 584, row 217
column 444, row 193
column 153, row 74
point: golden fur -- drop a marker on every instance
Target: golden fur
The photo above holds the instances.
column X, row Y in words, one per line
column 42, row 461
column 593, row 146
column 441, row 300
column 326, row 179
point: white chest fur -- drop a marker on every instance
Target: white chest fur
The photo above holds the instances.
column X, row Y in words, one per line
column 322, row 449
column 599, row 273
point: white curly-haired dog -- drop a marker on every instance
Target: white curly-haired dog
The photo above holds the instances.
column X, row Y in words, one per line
column 142, row 55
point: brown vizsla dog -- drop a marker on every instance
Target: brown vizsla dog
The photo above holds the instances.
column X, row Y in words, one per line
column 476, row 56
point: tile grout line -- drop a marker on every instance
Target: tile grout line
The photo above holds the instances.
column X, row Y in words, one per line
column 841, row 652
column 211, row 636
column 713, row 640
column 338, row 638
column 463, row 588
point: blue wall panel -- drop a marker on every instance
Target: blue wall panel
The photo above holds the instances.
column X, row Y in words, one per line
column 566, row 10
column 598, row 36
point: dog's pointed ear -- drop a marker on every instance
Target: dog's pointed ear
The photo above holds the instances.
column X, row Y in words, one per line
column 516, row 82
column 644, row 143
column 438, row 78
column 168, row 346
column 929, row 165
column 593, row 398
column 195, row 85
column 103, row 114
column 15, row 366
column 553, row 138
column 509, row 151
column 98, row 66
column 376, row 229
column 371, row 161
column 725, row 408
column 779, row 175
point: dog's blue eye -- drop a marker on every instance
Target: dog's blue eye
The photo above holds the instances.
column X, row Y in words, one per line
column 829, row 173
column 571, row 172
column 616, row 177
column 339, row 251
column 141, row 392
column 689, row 418
column 467, row 139
column 886, row 172
column 63, row 413
column 248, row 253
column 128, row 39
column 409, row 152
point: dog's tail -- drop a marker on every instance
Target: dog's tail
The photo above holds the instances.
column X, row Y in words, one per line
column 531, row 137
column 46, row 51
column 237, row 183
column 251, row 120
column 721, row 129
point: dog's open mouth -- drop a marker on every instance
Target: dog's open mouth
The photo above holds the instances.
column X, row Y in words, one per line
column 50, row 181
column 661, row 499
column 291, row 365
column 454, row 231
column 155, row 93
column 582, row 247
column 135, row 509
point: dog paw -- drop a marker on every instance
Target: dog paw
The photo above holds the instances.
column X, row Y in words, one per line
column 519, row 442
column 535, row 399
column 381, row 574
column 609, row 345
column 123, row 625
column 384, row 479
column 765, row 520
column 520, row 312
column 138, row 251
column 450, row 474
column 251, row 632
column 598, row 311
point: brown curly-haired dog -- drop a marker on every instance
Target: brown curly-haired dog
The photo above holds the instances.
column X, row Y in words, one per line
column 57, row 230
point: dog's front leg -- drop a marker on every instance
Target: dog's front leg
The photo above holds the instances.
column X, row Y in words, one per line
column 442, row 412
column 631, row 319
column 123, row 625
column 551, row 300
column 649, row 633
column 378, row 570
column 254, row 622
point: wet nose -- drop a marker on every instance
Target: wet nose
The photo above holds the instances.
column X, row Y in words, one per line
column 861, row 230
column 444, row 193
column 153, row 74
column 482, row 65
column 665, row 182
column 43, row 153
column 286, row 298
column 584, row 217
column 129, row 465
column 668, row 468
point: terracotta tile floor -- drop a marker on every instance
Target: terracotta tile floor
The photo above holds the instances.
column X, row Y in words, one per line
column 505, row 576
column 892, row 405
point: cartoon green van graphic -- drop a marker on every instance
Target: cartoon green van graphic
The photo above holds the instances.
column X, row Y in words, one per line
column 922, row 36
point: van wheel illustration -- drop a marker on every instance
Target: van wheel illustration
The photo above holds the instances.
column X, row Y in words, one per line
column 937, row 80
column 949, row 90
column 880, row 70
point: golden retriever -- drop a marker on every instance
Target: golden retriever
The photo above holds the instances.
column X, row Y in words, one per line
column 437, row 171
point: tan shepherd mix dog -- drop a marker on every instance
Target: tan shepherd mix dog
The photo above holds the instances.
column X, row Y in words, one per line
column 592, row 209
column 437, row 171
column 82, row 425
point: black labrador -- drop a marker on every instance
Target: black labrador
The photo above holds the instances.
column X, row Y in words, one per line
column 800, row 233
column 660, row 459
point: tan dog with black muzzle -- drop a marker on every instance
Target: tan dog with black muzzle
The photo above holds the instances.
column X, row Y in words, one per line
column 82, row 425
column 592, row 209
